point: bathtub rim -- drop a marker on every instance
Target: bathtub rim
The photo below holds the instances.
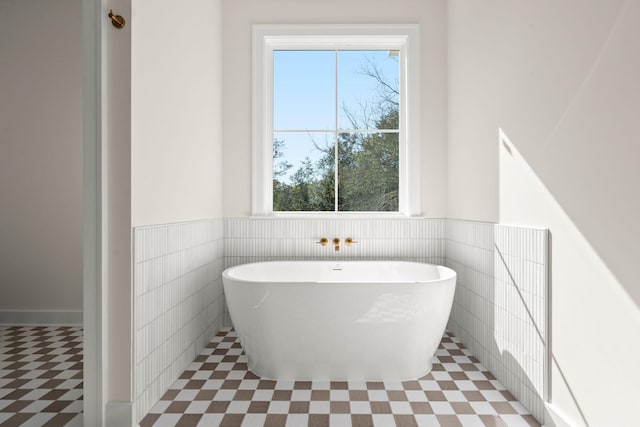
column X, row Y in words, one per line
column 445, row 273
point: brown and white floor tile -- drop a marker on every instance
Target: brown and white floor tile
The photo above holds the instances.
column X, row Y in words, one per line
column 219, row 390
column 40, row 376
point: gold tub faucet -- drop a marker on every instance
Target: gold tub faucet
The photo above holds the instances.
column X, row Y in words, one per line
column 336, row 244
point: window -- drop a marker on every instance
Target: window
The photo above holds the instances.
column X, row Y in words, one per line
column 335, row 126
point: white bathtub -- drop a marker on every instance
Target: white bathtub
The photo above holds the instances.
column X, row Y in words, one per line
column 353, row 320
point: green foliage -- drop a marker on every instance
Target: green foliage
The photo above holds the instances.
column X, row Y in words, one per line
column 367, row 174
column 305, row 192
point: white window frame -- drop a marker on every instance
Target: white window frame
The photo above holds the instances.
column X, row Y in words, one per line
column 404, row 38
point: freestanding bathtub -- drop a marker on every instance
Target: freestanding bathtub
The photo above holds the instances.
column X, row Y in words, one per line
column 353, row 320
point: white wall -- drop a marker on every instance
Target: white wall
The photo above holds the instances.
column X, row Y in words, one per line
column 239, row 15
column 560, row 79
column 176, row 130
column 117, row 140
column 163, row 131
column 176, row 141
column 40, row 155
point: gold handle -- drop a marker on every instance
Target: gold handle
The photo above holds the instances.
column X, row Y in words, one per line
column 323, row 242
column 117, row 20
column 349, row 241
column 336, row 241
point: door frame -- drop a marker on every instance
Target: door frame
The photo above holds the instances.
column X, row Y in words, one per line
column 94, row 214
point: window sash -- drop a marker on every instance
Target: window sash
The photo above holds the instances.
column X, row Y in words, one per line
column 403, row 38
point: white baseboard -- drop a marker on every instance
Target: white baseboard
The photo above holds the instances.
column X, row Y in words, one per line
column 555, row 418
column 118, row 414
column 41, row 318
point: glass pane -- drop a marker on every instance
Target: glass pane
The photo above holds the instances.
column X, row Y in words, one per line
column 304, row 90
column 368, row 94
column 368, row 172
column 303, row 171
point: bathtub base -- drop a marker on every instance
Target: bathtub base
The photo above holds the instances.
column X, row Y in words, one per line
column 285, row 375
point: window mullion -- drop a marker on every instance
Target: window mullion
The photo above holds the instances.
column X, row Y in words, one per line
column 335, row 148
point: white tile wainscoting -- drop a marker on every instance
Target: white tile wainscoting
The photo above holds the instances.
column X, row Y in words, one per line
column 253, row 239
column 499, row 310
column 500, row 307
column 178, row 302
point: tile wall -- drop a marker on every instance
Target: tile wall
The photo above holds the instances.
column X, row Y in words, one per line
column 258, row 239
column 178, row 302
column 499, row 311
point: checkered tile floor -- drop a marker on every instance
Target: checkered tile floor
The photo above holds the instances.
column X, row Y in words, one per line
column 40, row 376
column 219, row 390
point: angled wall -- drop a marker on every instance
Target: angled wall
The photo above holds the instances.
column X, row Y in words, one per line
column 543, row 106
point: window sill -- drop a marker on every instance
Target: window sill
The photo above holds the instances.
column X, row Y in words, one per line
column 337, row 215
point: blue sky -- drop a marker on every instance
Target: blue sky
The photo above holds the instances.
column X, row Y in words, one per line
column 305, row 94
